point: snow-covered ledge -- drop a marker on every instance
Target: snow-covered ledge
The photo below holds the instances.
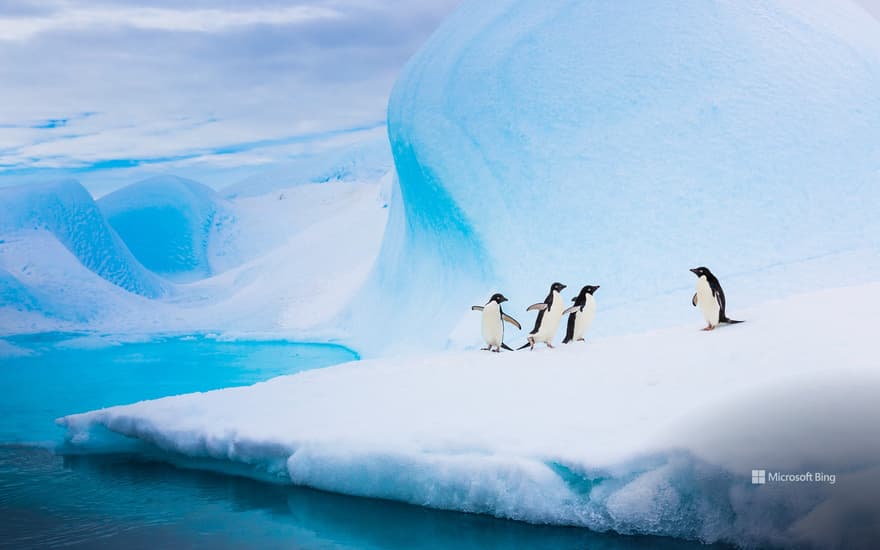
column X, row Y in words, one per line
column 649, row 433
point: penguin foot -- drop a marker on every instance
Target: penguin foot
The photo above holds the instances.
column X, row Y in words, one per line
column 581, row 340
column 710, row 327
column 497, row 350
column 549, row 345
column 486, row 349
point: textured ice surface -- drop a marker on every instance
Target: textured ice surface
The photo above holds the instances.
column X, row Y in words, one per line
column 619, row 143
column 648, row 433
column 280, row 257
column 65, row 212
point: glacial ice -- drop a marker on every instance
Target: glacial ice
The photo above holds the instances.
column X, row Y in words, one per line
column 66, row 211
column 185, row 220
column 650, row 433
column 596, row 142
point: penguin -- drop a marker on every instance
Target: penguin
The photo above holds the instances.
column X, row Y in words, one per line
column 580, row 315
column 549, row 315
column 493, row 323
column 710, row 298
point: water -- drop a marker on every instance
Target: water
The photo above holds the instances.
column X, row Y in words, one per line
column 67, row 374
column 126, row 501
column 117, row 501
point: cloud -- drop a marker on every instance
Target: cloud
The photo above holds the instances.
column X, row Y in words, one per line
column 84, row 17
column 164, row 82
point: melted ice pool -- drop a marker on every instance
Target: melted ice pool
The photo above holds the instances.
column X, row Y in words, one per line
column 66, row 373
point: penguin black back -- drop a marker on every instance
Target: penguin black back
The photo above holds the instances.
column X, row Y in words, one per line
column 549, row 301
column 717, row 292
column 579, row 302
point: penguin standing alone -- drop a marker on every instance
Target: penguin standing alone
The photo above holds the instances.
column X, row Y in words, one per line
column 710, row 298
column 549, row 315
column 580, row 315
column 493, row 323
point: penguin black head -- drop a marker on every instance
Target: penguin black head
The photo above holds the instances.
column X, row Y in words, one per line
column 589, row 289
column 558, row 287
column 701, row 271
column 498, row 298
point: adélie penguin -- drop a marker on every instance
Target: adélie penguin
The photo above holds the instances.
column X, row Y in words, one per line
column 580, row 315
column 493, row 323
column 710, row 298
column 549, row 316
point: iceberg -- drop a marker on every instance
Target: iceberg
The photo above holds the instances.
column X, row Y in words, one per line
column 654, row 433
column 597, row 142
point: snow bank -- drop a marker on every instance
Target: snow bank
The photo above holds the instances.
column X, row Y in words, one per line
column 314, row 246
column 66, row 211
column 615, row 144
column 173, row 226
column 651, row 433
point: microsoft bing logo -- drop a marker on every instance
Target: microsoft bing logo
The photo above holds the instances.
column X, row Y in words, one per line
column 759, row 477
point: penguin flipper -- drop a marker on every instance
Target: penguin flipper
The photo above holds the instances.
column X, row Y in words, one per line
column 572, row 309
column 511, row 320
column 476, row 308
column 505, row 346
column 524, row 346
column 694, row 299
column 539, row 307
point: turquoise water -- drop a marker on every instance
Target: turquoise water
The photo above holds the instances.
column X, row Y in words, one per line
column 126, row 501
column 60, row 378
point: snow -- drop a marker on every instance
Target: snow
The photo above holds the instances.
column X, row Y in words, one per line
column 592, row 142
column 367, row 159
column 645, row 433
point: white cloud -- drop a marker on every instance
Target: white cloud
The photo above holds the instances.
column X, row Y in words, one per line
column 75, row 17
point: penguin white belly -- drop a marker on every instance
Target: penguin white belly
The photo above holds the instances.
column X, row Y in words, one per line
column 584, row 318
column 493, row 329
column 550, row 321
column 706, row 300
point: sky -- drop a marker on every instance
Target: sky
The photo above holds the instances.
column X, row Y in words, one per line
column 111, row 91
column 108, row 91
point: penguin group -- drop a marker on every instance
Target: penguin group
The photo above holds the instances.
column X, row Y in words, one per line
column 709, row 297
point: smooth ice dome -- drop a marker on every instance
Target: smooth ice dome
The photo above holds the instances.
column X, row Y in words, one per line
column 168, row 224
column 617, row 142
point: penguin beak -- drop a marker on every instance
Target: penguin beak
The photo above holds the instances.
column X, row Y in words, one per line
column 564, row 287
column 503, row 299
column 694, row 271
column 597, row 288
